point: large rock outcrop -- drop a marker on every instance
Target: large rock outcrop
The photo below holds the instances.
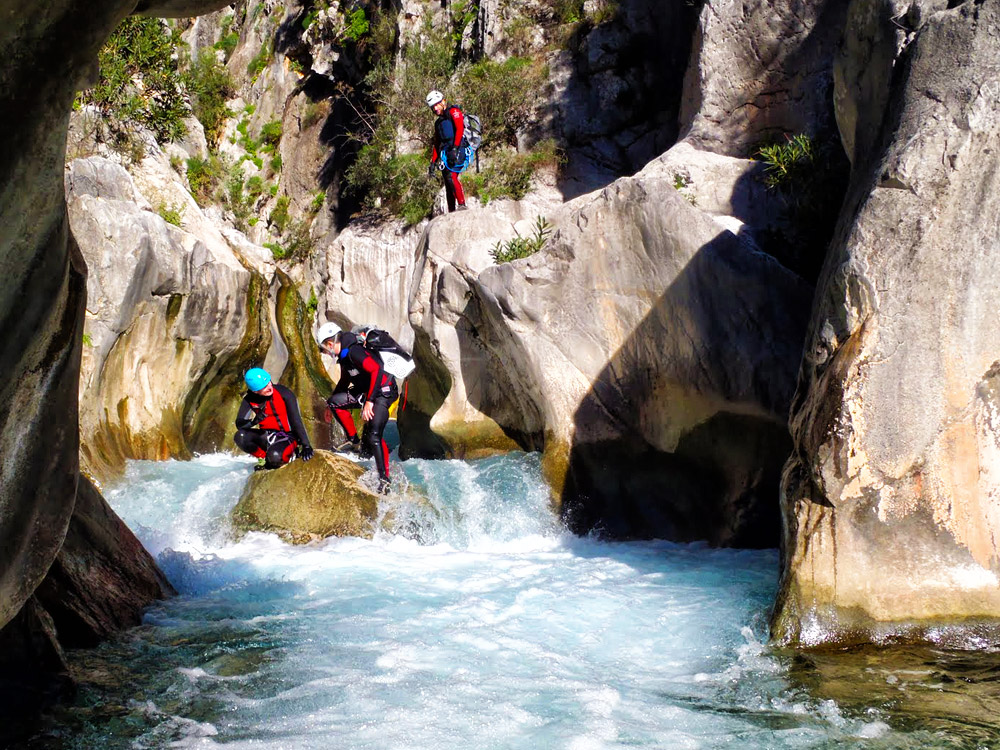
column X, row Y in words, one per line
column 308, row 500
column 173, row 319
column 647, row 349
column 892, row 498
column 760, row 70
column 50, row 53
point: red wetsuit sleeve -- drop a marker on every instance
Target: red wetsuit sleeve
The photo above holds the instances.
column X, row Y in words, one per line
column 373, row 366
column 459, row 120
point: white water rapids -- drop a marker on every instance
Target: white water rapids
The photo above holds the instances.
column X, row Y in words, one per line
column 498, row 629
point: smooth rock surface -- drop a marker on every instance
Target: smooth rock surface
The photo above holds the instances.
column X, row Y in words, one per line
column 650, row 352
column 892, row 497
column 308, row 500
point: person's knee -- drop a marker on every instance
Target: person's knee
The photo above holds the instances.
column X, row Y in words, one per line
column 275, row 457
column 242, row 441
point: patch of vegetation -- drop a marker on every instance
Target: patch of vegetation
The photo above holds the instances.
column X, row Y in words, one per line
column 270, row 134
column 507, row 173
column 87, row 340
column 318, row 201
column 521, row 247
column 139, row 82
column 260, row 62
column 312, row 305
column 210, row 87
column 787, row 163
column 357, row 25
column 228, row 38
column 171, row 214
column 809, row 179
column 279, row 217
column 204, row 177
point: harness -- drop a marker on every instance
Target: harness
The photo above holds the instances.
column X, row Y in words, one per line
column 277, row 419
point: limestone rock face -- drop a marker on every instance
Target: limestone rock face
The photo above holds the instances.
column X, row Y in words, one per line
column 167, row 316
column 758, row 70
column 647, row 349
column 308, row 500
column 892, row 497
column 50, row 55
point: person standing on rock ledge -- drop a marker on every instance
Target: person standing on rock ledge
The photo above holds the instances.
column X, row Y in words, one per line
column 449, row 144
column 268, row 423
column 365, row 384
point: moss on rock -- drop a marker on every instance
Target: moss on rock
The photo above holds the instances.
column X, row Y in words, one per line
column 308, row 500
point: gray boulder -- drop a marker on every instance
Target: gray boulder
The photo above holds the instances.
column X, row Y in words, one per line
column 758, row 70
column 647, row 350
column 890, row 498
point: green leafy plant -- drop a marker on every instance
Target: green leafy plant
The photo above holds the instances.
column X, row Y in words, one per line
column 204, row 176
column 318, row 201
column 87, row 340
column 279, row 216
column 210, row 86
column 260, row 61
column 171, row 214
column 270, row 134
column 785, row 163
column 138, row 82
column 521, row 247
column 277, row 250
column 357, row 25
column 312, row 305
column 508, row 173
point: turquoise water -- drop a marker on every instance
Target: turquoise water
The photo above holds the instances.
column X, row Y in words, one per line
column 483, row 625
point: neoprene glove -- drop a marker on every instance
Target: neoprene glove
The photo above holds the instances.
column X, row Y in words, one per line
column 306, row 452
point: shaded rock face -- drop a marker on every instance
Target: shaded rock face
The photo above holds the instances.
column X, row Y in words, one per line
column 50, row 53
column 100, row 582
column 891, row 497
column 169, row 327
column 616, row 92
column 308, row 500
column 759, row 70
column 633, row 348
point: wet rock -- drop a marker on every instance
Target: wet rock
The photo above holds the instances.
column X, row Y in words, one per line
column 308, row 500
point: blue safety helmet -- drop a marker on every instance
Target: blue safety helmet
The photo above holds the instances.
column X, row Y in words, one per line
column 257, row 379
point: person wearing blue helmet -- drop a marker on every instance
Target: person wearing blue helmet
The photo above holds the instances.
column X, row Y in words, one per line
column 268, row 423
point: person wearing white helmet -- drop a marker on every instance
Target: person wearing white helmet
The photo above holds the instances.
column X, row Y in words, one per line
column 449, row 143
column 364, row 384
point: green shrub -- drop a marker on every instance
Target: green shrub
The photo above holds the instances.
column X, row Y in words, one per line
column 87, row 340
column 312, row 305
column 228, row 38
column 171, row 214
column 259, row 62
column 357, row 24
column 210, row 86
column 393, row 184
column 277, row 250
column 500, row 94
column 319, row 199
column 204, row 176
column 255, row 186
column 138, row 81
column 789, row 162
column 270, row 134
column 276, row 163
column 507, row 173
column 279, row 216
column 521, row 247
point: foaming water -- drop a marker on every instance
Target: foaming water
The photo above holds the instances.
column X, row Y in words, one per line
column 481, row 623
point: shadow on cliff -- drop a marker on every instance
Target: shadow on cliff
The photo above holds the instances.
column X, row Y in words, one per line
column 619, row 109
column 719, row 480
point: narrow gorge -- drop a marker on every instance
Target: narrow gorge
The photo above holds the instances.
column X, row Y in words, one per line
column 751, row 311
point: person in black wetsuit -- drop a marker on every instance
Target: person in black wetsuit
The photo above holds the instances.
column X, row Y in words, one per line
column 449, row 140
column 363, row 384
column 268, row 423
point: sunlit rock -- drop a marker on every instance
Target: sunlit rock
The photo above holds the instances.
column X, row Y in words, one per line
column 892, row 497
column 309, row 500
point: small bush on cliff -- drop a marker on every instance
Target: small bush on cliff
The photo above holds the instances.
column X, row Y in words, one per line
column 138, row 82
column 809, row 178
column 521, row 247
column 210, row 86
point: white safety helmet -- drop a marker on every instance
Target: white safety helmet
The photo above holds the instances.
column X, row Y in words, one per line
column 434, row 97
column 326, row 331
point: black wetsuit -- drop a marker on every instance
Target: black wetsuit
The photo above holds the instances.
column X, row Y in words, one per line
column 270, row 427
column 449, row 139
column 363, row 378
